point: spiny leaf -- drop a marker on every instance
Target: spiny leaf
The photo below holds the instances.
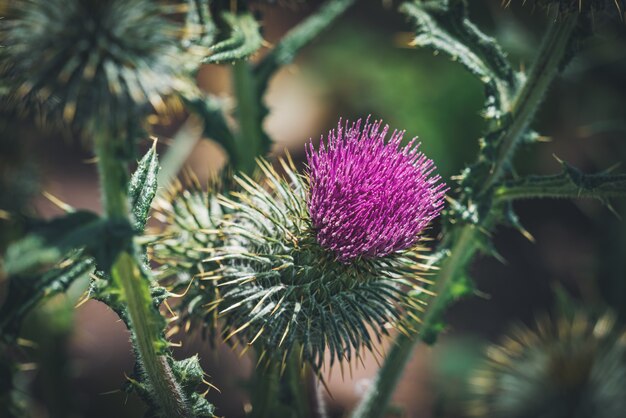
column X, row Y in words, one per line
column 486, row 246
column 187, row 373
column 571, row 183
column 142, row 188
column 433, row 34
column 125, row 266
column 51, row 241
column 453, row 14
column 25, row 291
column 243, row 40
column 511, row 218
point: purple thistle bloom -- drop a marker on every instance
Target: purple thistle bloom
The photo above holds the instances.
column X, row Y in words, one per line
column 370, row 197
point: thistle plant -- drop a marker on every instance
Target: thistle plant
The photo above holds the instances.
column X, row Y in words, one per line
column 304, row 268
column 311, row 262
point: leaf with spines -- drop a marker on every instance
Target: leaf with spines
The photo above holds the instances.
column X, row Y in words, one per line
column 243, row 40
column 143, row 187
column 190, row 376
column 51, row 241
column 453, row 14
column 443, row 26
column 24, row 291
column 511, row 219
column 571, row 183
column 187, row 373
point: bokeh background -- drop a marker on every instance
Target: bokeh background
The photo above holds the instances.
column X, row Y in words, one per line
column 361, row 66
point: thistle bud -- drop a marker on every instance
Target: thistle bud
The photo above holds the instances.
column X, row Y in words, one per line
column 83, row 61
column 562, row 368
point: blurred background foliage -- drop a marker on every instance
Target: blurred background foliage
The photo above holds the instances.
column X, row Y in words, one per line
column 362, row 65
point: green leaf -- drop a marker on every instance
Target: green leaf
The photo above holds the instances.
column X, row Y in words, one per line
column 243, row 40
column 453, row 14
column 571, row 183
column 143, row 187
column 445, row 29
column 25, row 291
column 49, row 242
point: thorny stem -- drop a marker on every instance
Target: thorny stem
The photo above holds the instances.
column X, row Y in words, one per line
column 546, row 68
column 114, row 182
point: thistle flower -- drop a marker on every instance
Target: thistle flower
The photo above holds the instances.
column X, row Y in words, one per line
column 89, row 60
column 369, row 197
column 563, row 368
column 274, row 273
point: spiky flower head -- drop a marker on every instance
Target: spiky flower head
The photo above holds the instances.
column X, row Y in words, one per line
column 565, row 367
column 370, row 197
column 561, row 7
column 254, row 263
column 81, row 61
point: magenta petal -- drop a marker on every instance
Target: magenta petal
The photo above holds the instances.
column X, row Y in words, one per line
column 370, row 197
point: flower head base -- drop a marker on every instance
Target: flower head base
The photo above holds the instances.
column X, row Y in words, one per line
column 370, row 197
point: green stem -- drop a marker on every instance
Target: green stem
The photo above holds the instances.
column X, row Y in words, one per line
column 545, row 69
column 306, row 31
column 281, row 390
column 464, row 247
column 251, row 140
column 126, row 271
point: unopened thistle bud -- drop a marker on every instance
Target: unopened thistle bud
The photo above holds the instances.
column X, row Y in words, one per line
column 324, row 260
column 563, row 368
column 82, row 61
